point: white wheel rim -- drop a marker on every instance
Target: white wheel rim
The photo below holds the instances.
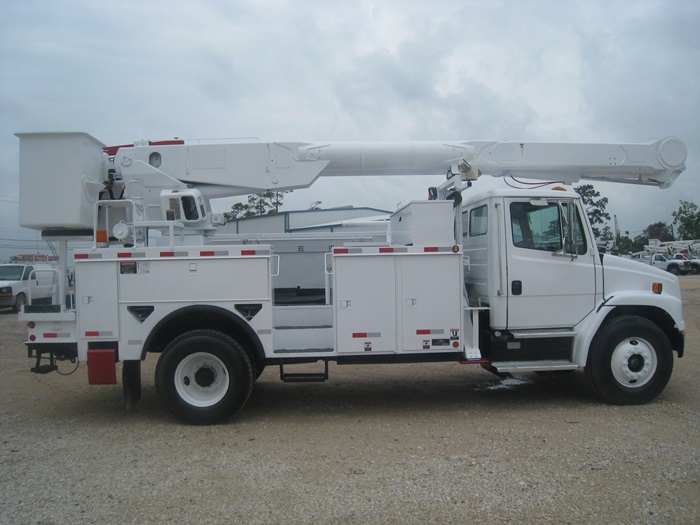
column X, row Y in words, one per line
column 201, row 379
column 634, row 362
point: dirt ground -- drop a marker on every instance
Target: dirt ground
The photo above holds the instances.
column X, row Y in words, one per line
column 442, row 443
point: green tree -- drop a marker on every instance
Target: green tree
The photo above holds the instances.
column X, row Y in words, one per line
column 263, row 203
column 606, row 234
column 626, row 245
column 659, row 230
column 687, row 220
column 595, row 207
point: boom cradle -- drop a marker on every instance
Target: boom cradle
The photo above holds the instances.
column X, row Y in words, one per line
column 508, row 279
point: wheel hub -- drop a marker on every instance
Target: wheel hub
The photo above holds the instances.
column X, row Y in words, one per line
column 634, row 362
column 201, row 379
column 205, row 376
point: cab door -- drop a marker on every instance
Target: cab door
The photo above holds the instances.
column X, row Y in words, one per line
column 551, row 264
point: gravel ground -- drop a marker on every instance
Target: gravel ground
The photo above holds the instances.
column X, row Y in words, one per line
column 440, row 443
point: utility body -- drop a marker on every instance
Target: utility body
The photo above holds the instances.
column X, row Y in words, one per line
column 508, row 279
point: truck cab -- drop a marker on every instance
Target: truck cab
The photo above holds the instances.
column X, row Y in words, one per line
column 530, row 252
column 553, row 302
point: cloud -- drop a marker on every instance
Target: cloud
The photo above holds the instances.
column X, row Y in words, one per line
column 410, row 70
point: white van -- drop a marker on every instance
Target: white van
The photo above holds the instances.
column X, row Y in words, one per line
column 15, row 284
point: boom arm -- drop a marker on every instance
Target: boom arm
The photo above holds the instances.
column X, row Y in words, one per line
column 82, row 170
column 657, row 163
column 242, row 168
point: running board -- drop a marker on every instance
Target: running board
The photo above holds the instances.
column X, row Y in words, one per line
column 304, row 377
column 540, row 334
column 534, row 366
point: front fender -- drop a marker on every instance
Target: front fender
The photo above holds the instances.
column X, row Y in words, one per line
column 665, row 310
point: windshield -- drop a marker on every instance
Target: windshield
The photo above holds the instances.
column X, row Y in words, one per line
column 11, row 272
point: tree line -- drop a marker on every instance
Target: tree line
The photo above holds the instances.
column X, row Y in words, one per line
column 685, row 224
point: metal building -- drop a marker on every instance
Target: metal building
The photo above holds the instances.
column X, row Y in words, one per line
column 347, row 219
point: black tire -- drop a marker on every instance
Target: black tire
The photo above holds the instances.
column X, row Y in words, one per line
column 694, row 269
column 20, row 301
column 204, row 377
column 630, row 361
column 674, row 270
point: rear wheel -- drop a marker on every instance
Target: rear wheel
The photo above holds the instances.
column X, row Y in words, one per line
column 630, row 361
column 204, row 377
column 20, row 301
column 674, row 270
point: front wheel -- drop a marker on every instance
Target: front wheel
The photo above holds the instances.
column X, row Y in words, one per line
column 630, row 361
column 204, row 377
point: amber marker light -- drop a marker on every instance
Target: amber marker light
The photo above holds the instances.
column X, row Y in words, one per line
column 455, row 249
column 101, row 236
column 657, row 287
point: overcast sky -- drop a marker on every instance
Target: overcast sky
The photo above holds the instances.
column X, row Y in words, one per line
column 611, row 71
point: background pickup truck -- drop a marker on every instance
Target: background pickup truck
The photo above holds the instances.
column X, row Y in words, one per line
column 15, row 284
column 694, row 263
column 676, row 267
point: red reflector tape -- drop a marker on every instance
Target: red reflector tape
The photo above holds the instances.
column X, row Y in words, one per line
column 167, row 254
column 123, row 255
column 386, row 250
column 422, row 332
column 359, row 335
column 50, row 335
column 430, row 249
column 92, row 334
column 248, row 252
column 340, row 250
column 206, row 254
column 80, row 256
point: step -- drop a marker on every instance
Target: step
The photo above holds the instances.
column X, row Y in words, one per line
column 543, row 333
column 534, row 366
column 304, row 377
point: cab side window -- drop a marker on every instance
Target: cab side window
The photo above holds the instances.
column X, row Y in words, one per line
column 544, row 227
column 478, row 221
column 536, row 227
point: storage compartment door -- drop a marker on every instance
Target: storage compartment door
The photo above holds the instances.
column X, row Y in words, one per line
column 365, row 304
column 431, row 303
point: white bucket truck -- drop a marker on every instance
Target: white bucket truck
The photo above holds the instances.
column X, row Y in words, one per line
column 508, row 279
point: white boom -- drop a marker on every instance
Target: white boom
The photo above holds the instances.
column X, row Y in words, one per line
column 242, row 168
column 78, row 170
